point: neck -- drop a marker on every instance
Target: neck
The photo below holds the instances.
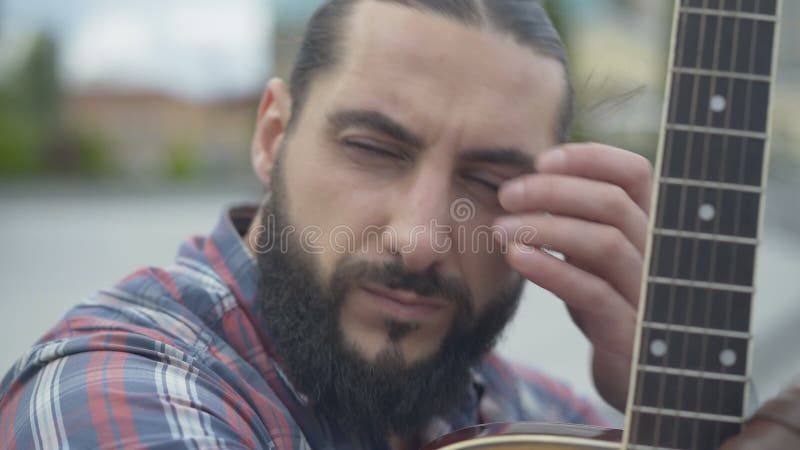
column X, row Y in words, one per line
column 254, row 233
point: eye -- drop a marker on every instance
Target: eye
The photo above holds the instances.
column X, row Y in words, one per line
column 373, row 149
column 484, row 182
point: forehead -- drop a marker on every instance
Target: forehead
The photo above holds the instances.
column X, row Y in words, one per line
column 444, row 78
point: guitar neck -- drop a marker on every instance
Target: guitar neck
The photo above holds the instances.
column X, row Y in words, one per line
column 692, row 350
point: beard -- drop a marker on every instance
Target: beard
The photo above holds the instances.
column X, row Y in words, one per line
column 387, row 394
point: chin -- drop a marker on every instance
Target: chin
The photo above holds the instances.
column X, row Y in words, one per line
column 399, row 353
column 414, row 353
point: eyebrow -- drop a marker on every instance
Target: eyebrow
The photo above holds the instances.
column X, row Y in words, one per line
column 375, row 121
column 381, row 123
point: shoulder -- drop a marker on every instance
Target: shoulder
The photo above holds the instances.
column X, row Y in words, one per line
column 136, row 391
column 513, row 392
column 59, row 397
column 138, row 365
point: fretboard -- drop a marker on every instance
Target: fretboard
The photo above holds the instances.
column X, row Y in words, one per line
column 691, row 366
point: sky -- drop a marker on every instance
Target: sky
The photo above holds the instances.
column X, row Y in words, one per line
column 191, row 48
column 201, row 49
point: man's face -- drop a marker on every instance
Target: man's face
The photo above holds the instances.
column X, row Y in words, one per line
column 398, row 155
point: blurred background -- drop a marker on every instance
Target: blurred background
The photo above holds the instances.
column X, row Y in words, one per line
column 125, row 127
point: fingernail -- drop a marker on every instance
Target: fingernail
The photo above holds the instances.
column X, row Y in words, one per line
column 551, row 161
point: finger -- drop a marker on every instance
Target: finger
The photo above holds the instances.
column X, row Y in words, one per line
column 630, row 171
column 599, row 249
column 763, row 435
column 607, row 319
column 579, row 197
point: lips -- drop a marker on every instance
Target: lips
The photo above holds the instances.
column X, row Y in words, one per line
column 404, row 303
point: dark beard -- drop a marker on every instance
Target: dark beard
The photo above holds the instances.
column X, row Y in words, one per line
column 371, row 398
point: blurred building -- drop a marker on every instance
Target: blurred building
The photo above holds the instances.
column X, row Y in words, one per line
column 153, row 132
column 140, row 88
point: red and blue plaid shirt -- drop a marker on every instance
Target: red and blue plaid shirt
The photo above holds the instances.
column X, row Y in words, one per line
column 179, row 357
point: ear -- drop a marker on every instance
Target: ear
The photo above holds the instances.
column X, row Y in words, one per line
column 274, row 113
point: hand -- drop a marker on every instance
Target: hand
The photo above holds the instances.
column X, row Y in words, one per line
column 598, row 198
column 775, row 426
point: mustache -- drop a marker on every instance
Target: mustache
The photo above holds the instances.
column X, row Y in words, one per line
column 395, row 275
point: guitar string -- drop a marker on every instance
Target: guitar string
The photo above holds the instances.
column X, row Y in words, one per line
column 736, row 213
column 668, row 334
column 635, row 416
column 725, row 150
column 752, row 53
column 683, row 23
column 695, row 296
column 701, row 193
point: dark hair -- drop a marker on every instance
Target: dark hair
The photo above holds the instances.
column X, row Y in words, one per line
column 525, row 20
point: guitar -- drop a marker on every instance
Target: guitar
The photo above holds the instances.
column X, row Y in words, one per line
column 691, row 351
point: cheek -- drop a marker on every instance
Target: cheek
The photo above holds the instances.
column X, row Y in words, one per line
column 487, row 273
column 327, row 202
column 325, row 186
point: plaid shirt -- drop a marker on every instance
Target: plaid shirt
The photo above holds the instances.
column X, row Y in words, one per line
column 180, row 357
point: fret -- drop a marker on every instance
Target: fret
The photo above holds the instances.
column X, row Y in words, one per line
column 706, row 236
column 688, row 415
column 727, row 42
column 718, row 131
column 708, row 213
column 703, row 260
column 691, row 394
column 722, row 74
column 696, row 374
column 744, row 103
column 702, row 284
column 705, row 156
column 698, row 330
column 653, row 429
column 712, row 185
column 749, row 6
column 648, row 447
column 698, row 307
column 693, row 351
column 734, row 14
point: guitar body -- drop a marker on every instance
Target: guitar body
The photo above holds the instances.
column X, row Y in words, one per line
column 520, row 436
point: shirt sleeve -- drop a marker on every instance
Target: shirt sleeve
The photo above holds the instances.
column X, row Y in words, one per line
column 114, row 399
column 565, row 405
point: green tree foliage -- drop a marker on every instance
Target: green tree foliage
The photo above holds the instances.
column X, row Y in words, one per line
column 33, row 138
column 556, row 9
column 182, row 162
column 28, row 108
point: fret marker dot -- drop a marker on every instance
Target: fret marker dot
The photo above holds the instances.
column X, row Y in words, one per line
column 658, row 348
column 727, row 357
column 707, row 212
column 718, row 103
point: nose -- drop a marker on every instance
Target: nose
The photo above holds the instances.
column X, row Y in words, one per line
column 421, row 229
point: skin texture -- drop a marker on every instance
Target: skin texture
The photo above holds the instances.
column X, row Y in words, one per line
column 423, row 72
column 776, row 424
column 387, row 392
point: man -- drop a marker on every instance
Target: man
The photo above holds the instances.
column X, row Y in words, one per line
column 357, row 307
